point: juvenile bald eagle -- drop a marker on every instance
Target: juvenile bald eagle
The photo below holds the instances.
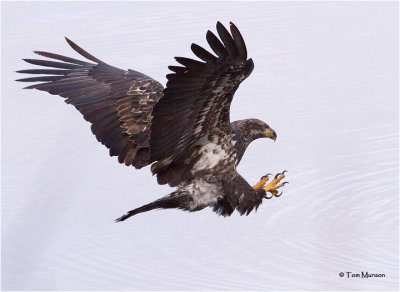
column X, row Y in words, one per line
column 183, row 130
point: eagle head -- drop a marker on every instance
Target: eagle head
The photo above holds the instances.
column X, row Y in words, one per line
column 251, row 129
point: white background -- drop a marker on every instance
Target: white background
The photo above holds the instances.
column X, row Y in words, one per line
column 325, row 79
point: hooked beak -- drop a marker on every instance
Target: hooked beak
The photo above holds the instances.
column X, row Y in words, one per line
column 270, row 134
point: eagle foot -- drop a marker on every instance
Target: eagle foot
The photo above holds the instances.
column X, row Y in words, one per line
column 262, row 181
column 274, row 185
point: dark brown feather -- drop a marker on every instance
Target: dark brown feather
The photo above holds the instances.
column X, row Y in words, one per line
column 40, row 78
column 45, row 71
column 238, row 39
column 227, row 39
column 216, row 45
column 62, row 58
column 81, row 51
column 51, row 64
column 203, row 54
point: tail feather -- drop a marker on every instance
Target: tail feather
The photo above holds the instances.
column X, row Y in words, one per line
column 174, row 200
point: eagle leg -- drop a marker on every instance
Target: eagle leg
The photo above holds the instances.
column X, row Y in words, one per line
column 275, row 184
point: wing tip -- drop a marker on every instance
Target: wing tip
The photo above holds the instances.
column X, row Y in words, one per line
column 41, row 53
column 29, row 87
column 68, row 40
column 71, row 43
column 82, row 52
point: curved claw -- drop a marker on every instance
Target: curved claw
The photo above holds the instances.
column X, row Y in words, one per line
column 280, row 173
column 278, row 195
column 285, row 182
column 268, row 198
column 265, row 176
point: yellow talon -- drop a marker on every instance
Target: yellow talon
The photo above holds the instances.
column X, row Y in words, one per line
column 274, row 185
column 262, row 182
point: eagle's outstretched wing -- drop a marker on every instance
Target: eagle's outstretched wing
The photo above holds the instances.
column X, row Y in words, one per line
column 197, row 98
column 118, row 103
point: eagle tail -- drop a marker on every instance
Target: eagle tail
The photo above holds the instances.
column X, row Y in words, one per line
column 176, row 199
